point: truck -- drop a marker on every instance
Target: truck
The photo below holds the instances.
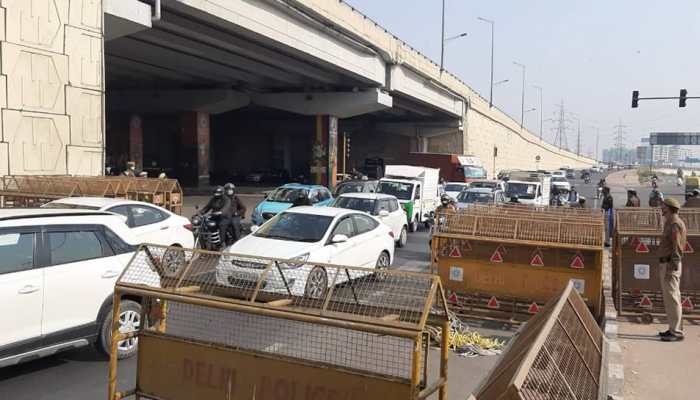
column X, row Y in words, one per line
column 416, row 188
column 453, row 167
column 530, row 187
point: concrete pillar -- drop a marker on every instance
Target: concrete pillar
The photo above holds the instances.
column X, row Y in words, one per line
column 51, row 87
column 195, row 147
column 136, row 141
column 324, row 154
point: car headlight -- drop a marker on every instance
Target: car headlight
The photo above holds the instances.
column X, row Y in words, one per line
column 295, row 262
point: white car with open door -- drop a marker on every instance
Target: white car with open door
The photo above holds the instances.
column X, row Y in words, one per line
column 307, row 235
column 384, row 207
column 148, row 223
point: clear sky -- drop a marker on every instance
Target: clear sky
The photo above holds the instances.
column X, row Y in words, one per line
column 589, row 53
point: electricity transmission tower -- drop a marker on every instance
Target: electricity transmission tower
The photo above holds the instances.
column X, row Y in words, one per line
column 619, row 137
column 561, row 127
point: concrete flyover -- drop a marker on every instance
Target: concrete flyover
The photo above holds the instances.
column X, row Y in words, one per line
column 192, row 86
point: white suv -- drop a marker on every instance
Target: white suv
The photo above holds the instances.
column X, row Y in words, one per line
column 57, row 274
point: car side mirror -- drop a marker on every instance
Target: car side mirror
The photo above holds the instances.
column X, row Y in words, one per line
column 383, row 213
column 339, row 239
column 254, row 228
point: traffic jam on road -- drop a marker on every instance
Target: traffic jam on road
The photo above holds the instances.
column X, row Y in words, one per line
column 62, row 260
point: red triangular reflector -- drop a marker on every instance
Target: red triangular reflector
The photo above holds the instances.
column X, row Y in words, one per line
column 641, row 248
column 688, row 248
column 687, row 304
column 646, row 302
column 496, row 257
column 455, row 253
column 577, row 262
column 533, row 309
column 537, row 261
column 493, row 303
column 452, row 298
column 634, row 242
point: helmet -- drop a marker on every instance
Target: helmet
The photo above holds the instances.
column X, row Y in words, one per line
column 445, row 199
column 218, row 191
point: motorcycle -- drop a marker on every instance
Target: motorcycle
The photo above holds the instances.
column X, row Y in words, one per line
column 587, row 180
column 205, row 228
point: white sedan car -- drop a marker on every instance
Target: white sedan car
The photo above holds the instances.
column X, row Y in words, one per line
column 307, row 235
column 148, row 223
column 384, row 207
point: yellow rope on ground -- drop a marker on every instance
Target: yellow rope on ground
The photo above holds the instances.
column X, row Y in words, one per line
column 461, row 336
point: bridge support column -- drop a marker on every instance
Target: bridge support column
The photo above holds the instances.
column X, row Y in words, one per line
column 135, row 142
column 194, row 135
column 324, row 154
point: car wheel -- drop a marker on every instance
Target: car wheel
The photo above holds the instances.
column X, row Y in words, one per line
column 173, row 259
column 316, row 283
column 413, row 225
column 403, row 237
column 129, row 321
column 383, row 264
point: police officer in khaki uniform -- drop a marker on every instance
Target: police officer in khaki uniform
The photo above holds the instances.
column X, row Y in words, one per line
column 670, row 267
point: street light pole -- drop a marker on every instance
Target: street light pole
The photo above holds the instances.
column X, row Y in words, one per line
column 522, row 104
column 493, row 28
column 442, row 41
column 539, row 89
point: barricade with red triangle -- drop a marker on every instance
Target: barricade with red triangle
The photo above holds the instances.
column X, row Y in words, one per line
column 533, row 309
column 493, row 303
column 537, row 260
column 577, row 262
column 452, row 298
column 688, row 248
column 641, row 247
column 646, row 302
column 497, row 256
column 687, row 304
column 455, row 252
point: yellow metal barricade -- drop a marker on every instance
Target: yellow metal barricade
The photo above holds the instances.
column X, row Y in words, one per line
column 636, row 281
column 506, row 262
column 227, row 326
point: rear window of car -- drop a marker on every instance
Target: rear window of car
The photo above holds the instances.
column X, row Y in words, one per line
column 354, row 203
column 454, row 188
column 74, row 246
column 16, row 252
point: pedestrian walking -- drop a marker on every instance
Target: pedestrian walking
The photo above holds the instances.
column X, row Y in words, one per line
column 670, row 254
column 607, row 206
column 632, row 199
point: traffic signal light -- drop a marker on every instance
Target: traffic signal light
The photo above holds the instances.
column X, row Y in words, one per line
column 682, row 98
column 635, row 98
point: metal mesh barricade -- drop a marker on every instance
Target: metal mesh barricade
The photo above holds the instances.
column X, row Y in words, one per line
column 505, row 262
column 636, row 281
column 558, row 354
column 361, row 327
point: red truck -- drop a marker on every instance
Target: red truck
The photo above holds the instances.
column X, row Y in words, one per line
column 453, row 167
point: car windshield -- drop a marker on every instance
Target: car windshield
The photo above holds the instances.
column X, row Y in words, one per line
column 522, row 190
column 295, row 227
column 354, row 203
column 453, row 188
column 350, row 187
column 489, row 185
column 475, row 197
column 400, row 190
column 286, row 195
column 71, row 206
column 474, row 172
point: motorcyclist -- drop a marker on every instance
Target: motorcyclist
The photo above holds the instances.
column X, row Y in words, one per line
column 655, row 198
column 555, row 198
column 220, row 203
column 238, row 209
column 446, row 204
column 601, row 185
column 573, row 196
column 693, row 200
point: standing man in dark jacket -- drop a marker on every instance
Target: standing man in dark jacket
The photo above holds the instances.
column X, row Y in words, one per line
column 670, row 253
column 220, row 203
column 607, row 206
column 237, row 208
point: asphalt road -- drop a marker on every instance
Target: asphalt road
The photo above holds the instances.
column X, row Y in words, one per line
column 82, row 373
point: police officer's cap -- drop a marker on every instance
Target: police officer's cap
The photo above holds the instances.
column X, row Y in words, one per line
column 671, row 202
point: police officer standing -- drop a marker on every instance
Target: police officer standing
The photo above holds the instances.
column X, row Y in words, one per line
column 607, row 206
column 237, row 208
column 670, row 254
